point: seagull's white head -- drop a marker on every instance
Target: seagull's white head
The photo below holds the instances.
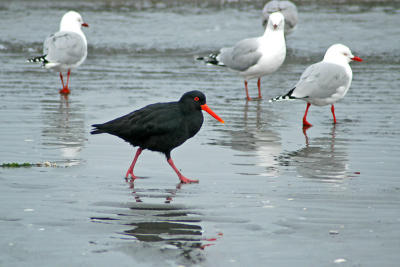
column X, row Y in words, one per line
column 72, row 21
column 287, row 8
column 276, row 22
column 340, row 53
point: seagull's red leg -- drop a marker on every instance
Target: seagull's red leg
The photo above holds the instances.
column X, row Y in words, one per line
column 69, row 73
column 247, row 90
column 62, row 79
column 333, row 113
column 130, row 170
column 65, row 89
column 305, row 122
column 183, row 179
column 259, row 88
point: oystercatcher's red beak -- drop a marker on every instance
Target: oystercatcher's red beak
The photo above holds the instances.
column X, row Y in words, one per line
column 85, row 24
column 212, row 113
column 357, row 59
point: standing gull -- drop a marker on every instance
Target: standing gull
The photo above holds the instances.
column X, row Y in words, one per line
column 288, row 10
column 255, row 57
column 325, row 82
column 65, row 49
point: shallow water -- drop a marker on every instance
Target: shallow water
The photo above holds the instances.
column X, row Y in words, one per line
column 269, row 193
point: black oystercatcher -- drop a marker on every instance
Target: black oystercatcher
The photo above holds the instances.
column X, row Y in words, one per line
column 160, row 127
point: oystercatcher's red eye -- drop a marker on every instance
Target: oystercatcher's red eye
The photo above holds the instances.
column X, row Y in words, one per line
column 196, row 99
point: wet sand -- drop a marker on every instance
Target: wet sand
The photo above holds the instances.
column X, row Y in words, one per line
column 269, row 194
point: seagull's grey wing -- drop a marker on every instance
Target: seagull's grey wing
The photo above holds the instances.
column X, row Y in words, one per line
column 321, row 80
column 64, row 47
column 242, row 56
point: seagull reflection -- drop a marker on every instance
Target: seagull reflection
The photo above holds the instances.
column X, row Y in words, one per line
column 324, row 158
column 63, row 129
column 251, row 132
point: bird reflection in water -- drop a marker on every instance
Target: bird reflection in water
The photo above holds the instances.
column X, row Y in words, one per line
column 251, row 132
column 64, row 100
column 63, row 129
column 168, row 198
column 324, row 157
column 170, row 228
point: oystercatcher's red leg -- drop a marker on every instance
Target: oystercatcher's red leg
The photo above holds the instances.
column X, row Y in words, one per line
column 65, row 89
column 333, row 113
column 130, row 170
column 259, row 88
column 305, row 122
column 181, row 177
column 247, row 90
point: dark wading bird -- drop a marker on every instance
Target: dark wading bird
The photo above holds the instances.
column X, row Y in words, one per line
column 160, row 127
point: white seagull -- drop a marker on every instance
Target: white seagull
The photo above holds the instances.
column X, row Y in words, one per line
column 325, row 82
column 255, row 57
column 288, row 10
column 65, row 49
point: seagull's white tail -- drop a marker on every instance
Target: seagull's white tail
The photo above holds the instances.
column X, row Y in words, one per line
column 288, row 96
column 211, row 59
column 38, row 59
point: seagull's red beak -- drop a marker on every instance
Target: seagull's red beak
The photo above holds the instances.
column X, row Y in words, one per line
column 357, row 59
column 85, row 24
column 212, row 113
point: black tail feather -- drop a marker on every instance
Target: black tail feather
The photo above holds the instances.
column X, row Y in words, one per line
column 38, row 59
column 96, row 130
column 288, row 96
column 211, row 59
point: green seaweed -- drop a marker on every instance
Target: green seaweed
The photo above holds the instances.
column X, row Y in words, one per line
column 16, row 165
